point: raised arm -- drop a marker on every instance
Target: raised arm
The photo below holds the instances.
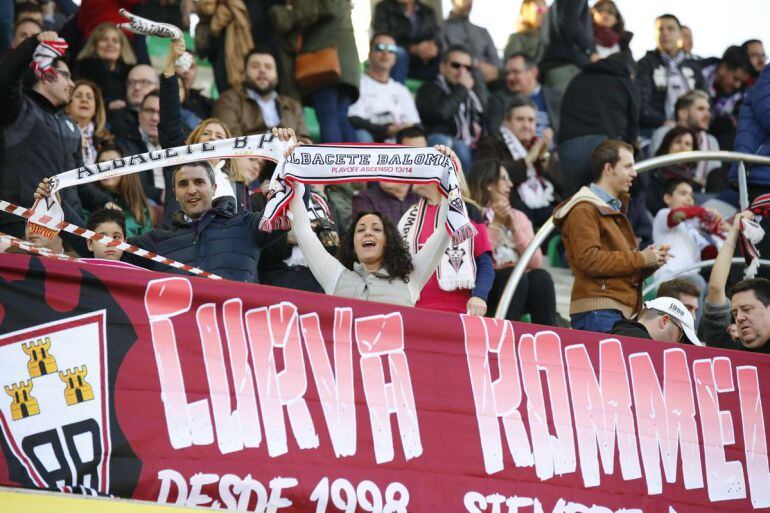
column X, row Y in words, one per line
column 325, row 268
column 721, row 270
column 170, row 131
column 427, row 259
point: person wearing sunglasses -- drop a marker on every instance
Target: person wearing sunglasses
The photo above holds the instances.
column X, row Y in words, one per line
column 384, row 106
column 452, row 106
column 665, row 319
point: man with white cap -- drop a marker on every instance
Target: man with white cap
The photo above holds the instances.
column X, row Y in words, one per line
column 664, row 318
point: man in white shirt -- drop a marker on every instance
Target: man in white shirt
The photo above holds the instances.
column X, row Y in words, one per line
column 384, row 106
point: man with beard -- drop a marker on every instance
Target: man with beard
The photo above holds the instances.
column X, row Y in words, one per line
column 256, row 107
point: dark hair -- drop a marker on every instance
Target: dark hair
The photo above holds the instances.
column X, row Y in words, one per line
column 410, row 132
column 18, row 23
column 607, row 152
column 106, row 215
column 686, row 101
column 674, row 134
column 668, row 16
column 760, row 286
column 154, row 92
column 455, row 49
column 260, row 49
column 483, row 174
column 736, row 58
column 29, row 79
column 745, row 45
column 620, row 23
column 26, row 7
column 129, row 191
column 381, row 33
column 199, row 163
column 670, row 186
column 677, row 287
column 395, row 258
column 529, row 62
column 516, row 102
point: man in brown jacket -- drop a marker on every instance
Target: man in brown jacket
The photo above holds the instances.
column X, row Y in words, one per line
column 601, row 246
column 256, row 107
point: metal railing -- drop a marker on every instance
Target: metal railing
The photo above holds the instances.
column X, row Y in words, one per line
column 698, row 265
column 641, row 167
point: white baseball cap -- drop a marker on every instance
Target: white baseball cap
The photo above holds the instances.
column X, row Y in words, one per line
column 676, row 310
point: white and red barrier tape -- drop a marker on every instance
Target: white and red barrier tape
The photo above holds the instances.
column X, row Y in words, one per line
column 108, row 241
column 30, row 248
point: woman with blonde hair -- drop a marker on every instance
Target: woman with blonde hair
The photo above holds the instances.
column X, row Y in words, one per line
column 529, row 38
column 229, row 179
column 105, row 60
column 87, row 110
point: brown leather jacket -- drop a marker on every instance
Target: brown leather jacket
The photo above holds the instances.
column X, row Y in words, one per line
column 603, row 254
column 243, row 116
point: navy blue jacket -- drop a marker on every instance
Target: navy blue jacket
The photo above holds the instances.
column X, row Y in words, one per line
column 220, row 241
column 753, row 135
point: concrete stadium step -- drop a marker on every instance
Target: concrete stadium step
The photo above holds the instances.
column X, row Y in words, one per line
column 562, row 280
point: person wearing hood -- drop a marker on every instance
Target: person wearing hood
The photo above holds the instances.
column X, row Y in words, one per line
column 665, row 319
column 600, row 103
column 602, row 250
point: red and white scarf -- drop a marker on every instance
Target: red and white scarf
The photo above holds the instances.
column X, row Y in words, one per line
column 752, row 234
column 457, row 268
column 367, row 163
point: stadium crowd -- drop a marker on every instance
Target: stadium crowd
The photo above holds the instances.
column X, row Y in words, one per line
column 555, row 127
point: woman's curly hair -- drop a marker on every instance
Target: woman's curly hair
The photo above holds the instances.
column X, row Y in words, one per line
column 395, row 259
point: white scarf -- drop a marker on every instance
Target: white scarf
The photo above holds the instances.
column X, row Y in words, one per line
column 338, row 164
column 457, row 269
column 535, row 192
column 89, row 148
column 139, row 25
column 676, row 83
column 264, row 145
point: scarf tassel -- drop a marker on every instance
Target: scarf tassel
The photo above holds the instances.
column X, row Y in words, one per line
column 462, row 234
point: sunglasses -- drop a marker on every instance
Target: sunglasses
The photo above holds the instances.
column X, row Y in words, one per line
column 457, row 65
column 382, row 47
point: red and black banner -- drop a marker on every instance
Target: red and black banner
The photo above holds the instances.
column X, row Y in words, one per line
column 183, row 390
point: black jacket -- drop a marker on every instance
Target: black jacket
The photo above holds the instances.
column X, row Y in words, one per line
column 38, row 141
column 601, row 100
column 629, row 328
column 132, row 145
column 111, row 82
column 570, row 34
column 652, row 94
column 389, row 17
column 437, row 109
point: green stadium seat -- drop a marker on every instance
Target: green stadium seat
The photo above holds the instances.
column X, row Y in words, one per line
column 312, row 124
column 413, row 84
column 653, row 293
column 554, row 258
column 526, row 318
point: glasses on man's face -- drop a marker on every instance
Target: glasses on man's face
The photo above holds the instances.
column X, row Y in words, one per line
column 458, row 65
column 678, row 324
column 382, row 47
column 151, row 112
column 142, row 83
column 66, row 75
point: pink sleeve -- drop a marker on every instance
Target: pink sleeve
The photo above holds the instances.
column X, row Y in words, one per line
column 481, row 243
column 523, row 236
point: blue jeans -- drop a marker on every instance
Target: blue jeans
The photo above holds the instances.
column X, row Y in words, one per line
column 575, row 161
column 363, row 136
column 331, row 106
column 462, row 150
column 401, row 68
column 600, row 321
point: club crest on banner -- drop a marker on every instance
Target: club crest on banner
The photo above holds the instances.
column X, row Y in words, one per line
column 54, row 411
